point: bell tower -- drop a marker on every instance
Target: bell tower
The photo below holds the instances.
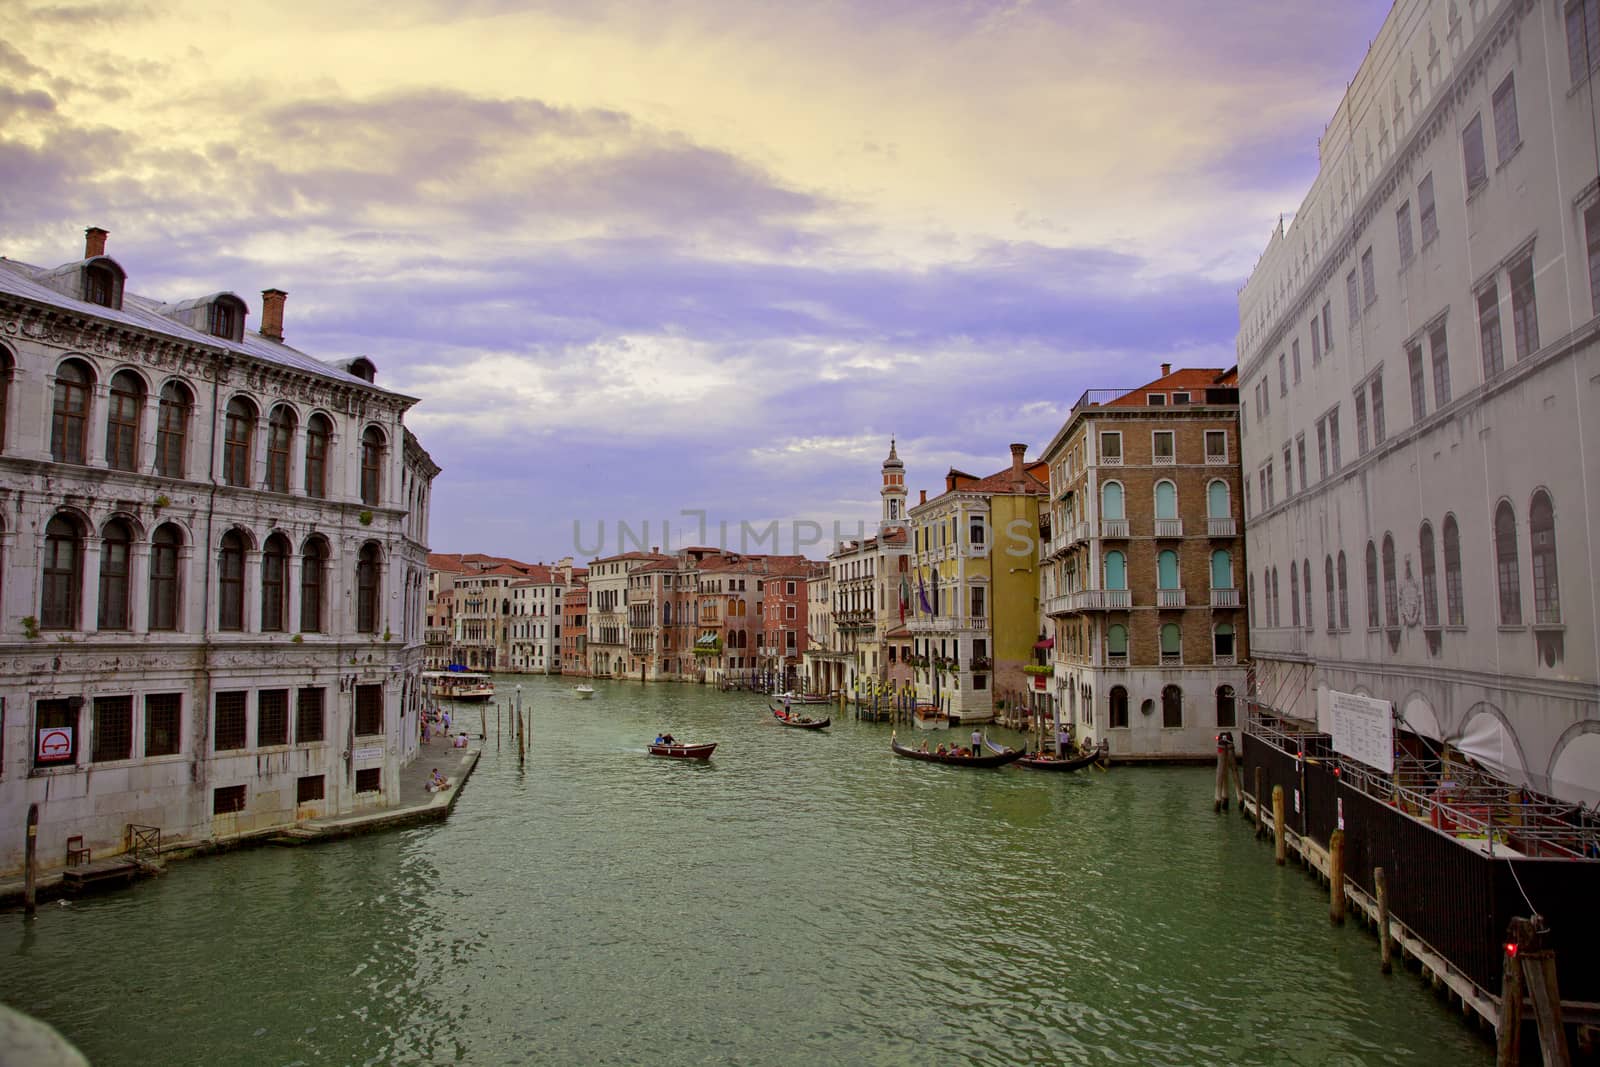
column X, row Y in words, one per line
column 894, row 490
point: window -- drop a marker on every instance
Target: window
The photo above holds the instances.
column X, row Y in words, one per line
column 975, row 534
column 1116, row 570
column 229, row 732
column 5, row 393
column 1294, row 597
column 1524, row 309
column 309, row 789
column 227, row 800
column 1369, row 278
column 1222, row 641
column 1288, row 471
column 223, row 320
column 1250, row 580
column 1283, row 374
column 1316, row 343
column 1361, row 421
column 1583, row 37
column 1227, row 713
column 1440, row 355
column 1166, row 500
column 1119, row 708
column 113, row 729
column 1344, row 594
column 1472, row 155
column 1402, row 225
column 1294, row 358
column 1156, row 400
column 318, row 431
column 367, row 589
column 272, row 717
column 238, row 431
column 313, row 580
column 1327, row 327
column 116, row 544
column 1379, row 431
column 1117, row 644
column 172, row 430
column 1333, row 438
column 230, row 582
column 1300, row 455
column 979, row 608
column 52, row 748
column 308, row 718
column 1272, row 492
column 1455, row 606
column 1591, row 227
column 63, row 569
column 1217, row 503
column 371, row 465
column 274, row 583
column 1111, row 501
column 1327, row 576
column 70, row 415
column 1391, row 591
column 1167, row 569
column 122, row 421
column 1427, row 217
column 1506, row 138
column 369, row 710
column 1419, row 386
column 1111, row 448
column 1489, row 331
column 163, row 721
column 280, row 439
column 100, row 286
column 164, row 547
column 1305, row 587
column 1216, row 446
column 1542, row 538
column 1162, row 449
column 1430, row 578
column 1374, row 613
column 1171, row 706
column 1352, row 294
column 1507, row 575
column 1322, row 449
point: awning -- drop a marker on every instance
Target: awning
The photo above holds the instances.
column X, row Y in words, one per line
column 1048, row 642
column 706, row 640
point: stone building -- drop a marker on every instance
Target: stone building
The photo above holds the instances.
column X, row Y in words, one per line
column 212, row 567
column 575, row 625
column 1420, row 364
column 869, row 580
column 609, row 643
column 785, row 619
column 1142, row 562
column 534, row 643
column 663, row 621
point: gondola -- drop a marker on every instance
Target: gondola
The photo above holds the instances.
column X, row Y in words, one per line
column 798, row 722
column 994, row 759
column 1076, row 763
column 679, row 750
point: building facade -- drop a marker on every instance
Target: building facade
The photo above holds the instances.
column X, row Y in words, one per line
column 212, row 567
column 575, row 625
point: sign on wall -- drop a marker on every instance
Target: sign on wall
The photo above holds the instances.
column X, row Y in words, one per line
column 1362, row 727
column 54, row 744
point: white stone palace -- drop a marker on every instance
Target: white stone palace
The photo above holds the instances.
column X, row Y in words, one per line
column 212, row 566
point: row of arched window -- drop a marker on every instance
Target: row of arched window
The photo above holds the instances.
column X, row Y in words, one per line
column 1113, row 500
column 1171, row 707
column 61, row 588
column 1383, row 577
column 71, row 422
column 1115, row 566
column 1222, row 643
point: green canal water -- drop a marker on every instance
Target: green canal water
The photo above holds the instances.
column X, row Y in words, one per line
column 805, row 898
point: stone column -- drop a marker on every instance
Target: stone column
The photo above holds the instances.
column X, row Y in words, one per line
column 139, row 588
column 149, row 422
column 292, row 576
column 89, row 617
column 94, row 445
column 252, row 590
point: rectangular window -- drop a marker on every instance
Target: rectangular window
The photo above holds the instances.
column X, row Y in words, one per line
column 172, row 423
column 1472, row 155
column 229, row 731
column 1380, row 432
column 1583, row 37
column 1322, row 449
column 1419, row 384
column 1440, row 354
column 272, row 717
column 1524, row 309
column 788, row 613
column 1156, row 400
column 1162, row 448
column 1591, row 227
column 1361, row 422
column 1111, row 448
column 113, row 729
column 369, row 709
column 1427, row 216
column 1272, row 490
column 1261, row 480
column 1333, row 439
column 56, row 733
column 1283, row 374
column 1369, row 278
column 1300, row 449
column 310, row 788
column 1288, row 469
column 227, row 800
column 1489, row 331
column 1327, row 327
column 1316, row 342
column 369, row 780
column 1402, row 226
column 1180, row 398
column 1353, row 295
column 1506, row 138
column 1216, row 446
column 979, row 608
column 1294, row 358
column 163, row 721
column 1246, row 495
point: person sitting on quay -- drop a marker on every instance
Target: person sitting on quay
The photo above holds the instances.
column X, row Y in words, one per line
column 437, row 783
column 461, row 739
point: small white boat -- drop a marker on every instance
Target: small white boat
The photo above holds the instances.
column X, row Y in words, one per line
column 584, row 691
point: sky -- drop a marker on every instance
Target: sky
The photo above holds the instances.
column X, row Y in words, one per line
column 643, row 262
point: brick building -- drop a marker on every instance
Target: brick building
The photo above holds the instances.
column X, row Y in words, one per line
column 575, row 625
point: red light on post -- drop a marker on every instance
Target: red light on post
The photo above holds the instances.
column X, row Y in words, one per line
column 1511, row 949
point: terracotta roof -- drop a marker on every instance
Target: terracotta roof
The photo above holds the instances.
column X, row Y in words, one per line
column 444, row 561
column 1182, row 380
column 629, row 555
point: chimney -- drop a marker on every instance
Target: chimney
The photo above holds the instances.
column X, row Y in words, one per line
column 922, row 496
column 950, row 480
column 272, row 313
column 1017, row 452
column 1166, row 369
column 94, row 242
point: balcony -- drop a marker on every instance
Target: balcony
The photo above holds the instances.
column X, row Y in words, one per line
column 1160, row 460
column 1058, row 605
column 1117, row 660
column 1221, row 528
column 1100, row 600
column 1224, row 598
column 1215, row 459
column 950, row 623
column 1169, row 598
column 1172, row 659
column 1169, row 527
column 1114, row 529
column 1111, row 461
column 1224, row 659
column 1080, row 532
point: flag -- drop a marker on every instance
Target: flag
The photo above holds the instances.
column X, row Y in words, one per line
column 922, row 596
column 905, row 598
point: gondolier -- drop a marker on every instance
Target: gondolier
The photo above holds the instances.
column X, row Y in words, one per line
column 977, row 740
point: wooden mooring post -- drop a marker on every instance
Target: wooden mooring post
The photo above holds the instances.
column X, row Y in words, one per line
column 1336, row 878
column 1261, row 816
column 30, row 876
column 1280, row 841
column 1380, row 888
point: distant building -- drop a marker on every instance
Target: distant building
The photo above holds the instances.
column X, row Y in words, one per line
column 609, row 643
column 575, row 625
column 869, row 581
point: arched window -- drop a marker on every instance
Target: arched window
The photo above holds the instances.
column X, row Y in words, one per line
column 116, row 543
column 230, row 582
column 6, row 368
column 1542, row 539
column 1111, row 501
column 1166, row 500
column 1119, row 708
column 1167, row 569
column 238, row 435
column 1222, row 647
column 1218, row 505
column 63, row 572
column 1171, row 643
column 1391, row 592
column 1305, row 589
column 280, row 439
column 1221, row 569
column 367, row 589
column 1252, row 580
column 1274, row 600
column 1171, row 707
column 1227, row 707
column 172, row 430
column 318, row 432
column 164, row 546
column 122, row 421
column 1116, row 571
column 69, row 418
column 1373, row 611
column 275, row 583
column 1430, row 577
column 1333, row 608
column 313, row 584
column 1344, row 594
column 666, row 613
column 1507, row 573
column 1455, row 605
column 1117, row 643
column 1294, row 596
column 371, row 465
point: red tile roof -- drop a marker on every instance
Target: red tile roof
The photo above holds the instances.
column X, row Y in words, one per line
column 1182, row 380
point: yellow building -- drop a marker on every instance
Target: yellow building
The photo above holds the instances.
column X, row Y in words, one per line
column 975, row 589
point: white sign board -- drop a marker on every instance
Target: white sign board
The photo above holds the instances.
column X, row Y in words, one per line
column 369, row 753
column 1362, row 728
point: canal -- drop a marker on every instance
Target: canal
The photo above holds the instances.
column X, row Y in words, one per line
column 804, row 898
